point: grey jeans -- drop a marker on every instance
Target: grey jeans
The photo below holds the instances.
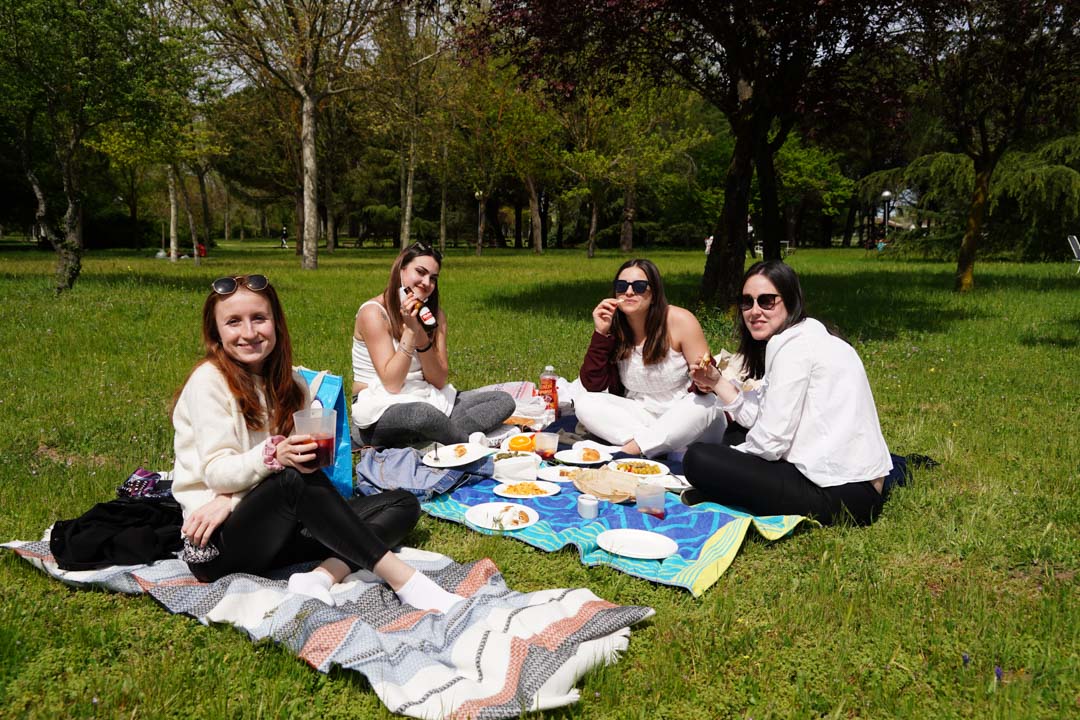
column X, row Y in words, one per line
column 410, row 422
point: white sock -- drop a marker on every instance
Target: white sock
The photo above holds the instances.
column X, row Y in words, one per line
column 424, row 593
column 314, row 584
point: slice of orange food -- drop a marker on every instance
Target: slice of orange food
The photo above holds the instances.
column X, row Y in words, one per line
column 522, row 443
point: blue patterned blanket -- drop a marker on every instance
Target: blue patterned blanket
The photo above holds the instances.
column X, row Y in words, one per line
column 708, row 535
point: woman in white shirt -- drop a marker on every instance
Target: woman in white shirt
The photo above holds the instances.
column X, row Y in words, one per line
column 251, row 496
column 400, row 365
column 814, row 445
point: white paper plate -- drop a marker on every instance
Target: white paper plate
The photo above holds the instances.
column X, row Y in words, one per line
column 639, row 544
column 500, row 516
column 549, row 489
column 661, row 468
column 573, row 457
column 554, row 474
column 505, row 444
column 445, row 456
column 671, row 483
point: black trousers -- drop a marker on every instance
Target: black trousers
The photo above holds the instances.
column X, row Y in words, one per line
column 265, row 529
column 763, row 487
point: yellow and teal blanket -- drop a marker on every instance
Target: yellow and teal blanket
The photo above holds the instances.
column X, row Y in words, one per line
column 709, row 535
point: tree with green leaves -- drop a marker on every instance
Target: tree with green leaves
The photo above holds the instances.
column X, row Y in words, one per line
column 998, row 74
column 69, row 70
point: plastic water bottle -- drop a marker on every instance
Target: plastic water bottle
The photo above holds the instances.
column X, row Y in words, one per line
column 550, row 392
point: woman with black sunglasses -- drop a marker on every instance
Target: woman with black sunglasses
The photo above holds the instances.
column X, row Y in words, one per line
column 251, row 496
column 813, row 445
column 401, row 367
column 637, row 369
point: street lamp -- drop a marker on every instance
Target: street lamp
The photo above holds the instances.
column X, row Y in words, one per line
column 885, row 198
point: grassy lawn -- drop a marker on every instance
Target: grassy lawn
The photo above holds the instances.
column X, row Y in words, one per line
column 962, row 601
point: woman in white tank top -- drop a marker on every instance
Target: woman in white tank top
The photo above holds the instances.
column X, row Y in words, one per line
column 637, row 369
column 400, row 366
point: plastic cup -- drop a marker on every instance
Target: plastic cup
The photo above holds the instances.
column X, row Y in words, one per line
column 320, row 424
column 546, row 444
column 650, row 499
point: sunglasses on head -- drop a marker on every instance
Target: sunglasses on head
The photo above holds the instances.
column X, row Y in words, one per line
column 765, row 301
column 228, row 285
column 426, row 249
column 640, row 286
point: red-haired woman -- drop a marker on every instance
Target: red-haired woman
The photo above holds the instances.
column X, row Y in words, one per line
column 252, row 500
column 400, row 365
column 640, row 354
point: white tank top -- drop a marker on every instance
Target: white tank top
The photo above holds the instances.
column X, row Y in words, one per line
column 362, row 367
column 663, row 382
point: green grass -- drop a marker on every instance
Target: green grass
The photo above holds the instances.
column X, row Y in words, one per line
column 976, row 560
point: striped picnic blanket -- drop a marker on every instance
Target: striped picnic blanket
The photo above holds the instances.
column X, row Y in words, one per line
column 709, row 535
column 493, row 656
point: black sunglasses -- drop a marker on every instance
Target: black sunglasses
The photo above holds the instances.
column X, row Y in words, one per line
column 426, row 249
column 640, row 286
column 765, row 301
column 228, row 285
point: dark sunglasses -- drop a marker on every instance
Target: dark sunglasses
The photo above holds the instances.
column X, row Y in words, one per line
column 425, row 249
column 765, row 301
column 228, row 285
column 640, row 286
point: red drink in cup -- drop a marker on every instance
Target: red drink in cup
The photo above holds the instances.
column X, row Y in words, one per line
column 658, row 513
column 324, row 450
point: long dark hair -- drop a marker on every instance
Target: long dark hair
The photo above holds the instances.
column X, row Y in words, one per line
column 657, row 343
column 787, row 284
column 284, row 396
column 391, row 300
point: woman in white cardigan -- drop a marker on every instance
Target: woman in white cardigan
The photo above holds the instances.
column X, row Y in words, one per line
column 251, row 495
column 813, row 444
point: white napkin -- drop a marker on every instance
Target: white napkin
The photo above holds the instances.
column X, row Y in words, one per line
column 520, row 468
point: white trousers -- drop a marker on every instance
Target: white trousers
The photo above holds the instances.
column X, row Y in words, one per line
column 618, row 420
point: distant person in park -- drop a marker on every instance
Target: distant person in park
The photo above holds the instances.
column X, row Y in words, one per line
column 285, row 237
column 251, row 498
column 637, row 369
column 813, row 444
column 400, row 365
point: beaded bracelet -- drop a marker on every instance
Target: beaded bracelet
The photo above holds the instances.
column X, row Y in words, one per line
column 270, row 452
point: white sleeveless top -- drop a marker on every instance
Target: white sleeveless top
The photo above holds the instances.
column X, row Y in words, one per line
column 659, row 385
column 372, row 401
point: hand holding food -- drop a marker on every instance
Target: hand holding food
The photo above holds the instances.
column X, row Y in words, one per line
column 705, row 361
column 604, row 313
column 705, row 375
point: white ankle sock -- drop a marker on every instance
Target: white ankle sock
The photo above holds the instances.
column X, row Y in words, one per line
column 314, row 584
column 424, row 593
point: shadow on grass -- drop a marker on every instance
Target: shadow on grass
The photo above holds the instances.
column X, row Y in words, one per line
column 874, row 305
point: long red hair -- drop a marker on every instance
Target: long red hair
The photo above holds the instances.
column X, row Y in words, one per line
column 284, row 396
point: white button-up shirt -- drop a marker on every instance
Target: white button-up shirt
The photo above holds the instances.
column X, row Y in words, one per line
column 814, row 409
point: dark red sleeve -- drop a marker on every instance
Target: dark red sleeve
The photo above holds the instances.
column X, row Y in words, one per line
column 599, row 371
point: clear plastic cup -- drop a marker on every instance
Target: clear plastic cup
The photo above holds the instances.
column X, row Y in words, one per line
column 650, row 499
column 320, row 424
column 546, row 444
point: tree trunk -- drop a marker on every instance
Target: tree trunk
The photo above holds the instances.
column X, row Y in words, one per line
column 770, row 222
column 311, row 182
column 980, row 197
column 594, row 221
column 298, row 203
column 132, row 178
column 534, row 216
column 174, row 233
column 849, row 222
column 442, row 200
column 186, row 199
column 331, row 212
column 228, row 218
column 480, row 217
column 264, row 230
column 629, row 213
column 410, row 177
column 200, row 173
column 724, row 265
column 517, row 226
column 545, row 221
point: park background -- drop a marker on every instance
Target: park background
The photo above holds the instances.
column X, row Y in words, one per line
column 565, row 137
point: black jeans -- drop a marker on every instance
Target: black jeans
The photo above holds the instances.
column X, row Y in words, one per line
column 264, row 531
column 763, row 487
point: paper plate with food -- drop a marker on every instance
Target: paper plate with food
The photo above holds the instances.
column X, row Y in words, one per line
column 558, row 473
column 519, row 442
column 501, row 516
column 527, row 489
column 583, row 455
column 639, row 467
column 456, row 455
